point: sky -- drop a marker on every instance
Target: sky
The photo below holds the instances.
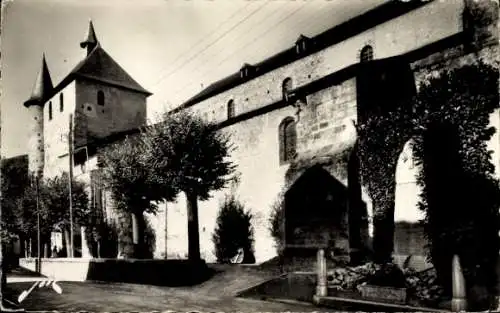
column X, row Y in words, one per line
column 173, row 48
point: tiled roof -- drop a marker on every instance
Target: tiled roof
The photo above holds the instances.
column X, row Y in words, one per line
column 42, row 87
column 352, row 27
column 100, row 66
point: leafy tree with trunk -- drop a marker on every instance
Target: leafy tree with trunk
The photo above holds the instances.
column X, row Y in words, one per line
column 449, row 124
column 193, row 156
column 4, row 305
column 53, row 208
column 460, row 194
column 15, row 180
column 54, row 197
column 135, row 185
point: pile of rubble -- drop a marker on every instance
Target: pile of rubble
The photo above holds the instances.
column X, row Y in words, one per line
column 420, row 285
column 423, row 285
column 348, row 278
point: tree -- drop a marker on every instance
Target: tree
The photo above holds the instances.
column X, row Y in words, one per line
column 53, row 208
column 15, row 180
column 134, row 184
column 54, row 197
column 461, row 195
column 233, row 231
column 192, row 156
column 449, row 124
column 277, row 224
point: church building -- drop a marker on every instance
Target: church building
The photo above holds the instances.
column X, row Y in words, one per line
column 292, row 119
column 97, row 99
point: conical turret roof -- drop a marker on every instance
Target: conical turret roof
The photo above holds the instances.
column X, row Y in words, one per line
column 91, row 40
column 43, row 86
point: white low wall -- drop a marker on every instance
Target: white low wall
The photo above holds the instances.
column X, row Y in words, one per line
column 62, row 269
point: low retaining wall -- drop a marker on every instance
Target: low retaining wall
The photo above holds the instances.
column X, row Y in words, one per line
column 151, row 272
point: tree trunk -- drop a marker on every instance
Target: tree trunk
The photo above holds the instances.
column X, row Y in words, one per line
column 383, row 233
column 166, row 231
column 46, row 250
column 138, row 234
column 67, row 242
column 193, row 231
column 84, row 243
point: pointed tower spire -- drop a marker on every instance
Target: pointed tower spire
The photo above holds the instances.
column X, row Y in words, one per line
column 91, row 42
column 43, row 86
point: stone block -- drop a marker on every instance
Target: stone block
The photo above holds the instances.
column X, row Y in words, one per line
column 384, row 294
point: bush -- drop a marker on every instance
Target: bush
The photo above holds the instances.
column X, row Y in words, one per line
column 149, row 239
column 102, row 239
column 277, row 225
column 233, row 231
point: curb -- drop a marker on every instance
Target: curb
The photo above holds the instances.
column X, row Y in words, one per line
column 328, row 301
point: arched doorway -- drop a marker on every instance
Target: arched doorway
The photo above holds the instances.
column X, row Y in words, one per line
column 316, row 213
column 409, row 238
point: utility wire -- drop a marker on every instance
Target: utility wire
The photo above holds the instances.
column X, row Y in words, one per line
column 237, row 43
column 205, row 38
column 245, row 46
column 210, row 58
column 211, row 44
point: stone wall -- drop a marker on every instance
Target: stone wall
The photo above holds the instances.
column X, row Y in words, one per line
column 36, row 155
column 56, row 131
column 325, row 124
column 256, row 155
column 436, row 20
column 122, row 109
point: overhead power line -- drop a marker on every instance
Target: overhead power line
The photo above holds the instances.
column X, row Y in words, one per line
column 246, row 45
column 211, row 44
column 205, row 38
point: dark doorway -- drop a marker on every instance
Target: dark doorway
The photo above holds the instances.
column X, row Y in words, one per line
column 315, row 211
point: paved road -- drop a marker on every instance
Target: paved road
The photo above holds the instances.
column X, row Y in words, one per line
column 125, row 297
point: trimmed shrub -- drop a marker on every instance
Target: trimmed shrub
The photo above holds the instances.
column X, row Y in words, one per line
column 277, row 225
column 233, row 231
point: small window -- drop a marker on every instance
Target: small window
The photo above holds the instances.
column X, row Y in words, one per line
column 366, row 54
column 230, row 109
column 286, row 86
column 301, row 44
column 61, row 102
column 50, row 110
column 100, row 97
column 246, row 71
column 287, row 140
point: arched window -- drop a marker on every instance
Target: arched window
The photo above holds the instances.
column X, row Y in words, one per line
column 100, row 97
column 286, row 86
column 230, row 109
column 61, row 102
column 366, row 54
column 287, row 140
column 50, row 110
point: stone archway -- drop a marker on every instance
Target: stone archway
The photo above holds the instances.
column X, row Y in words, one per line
column 409, row 238
column 316, row 214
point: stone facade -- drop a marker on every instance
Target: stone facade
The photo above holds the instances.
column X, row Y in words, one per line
column 100, row 99
column 323, row 103
column 36, row 136
column 122, row 109
column 324, row 120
